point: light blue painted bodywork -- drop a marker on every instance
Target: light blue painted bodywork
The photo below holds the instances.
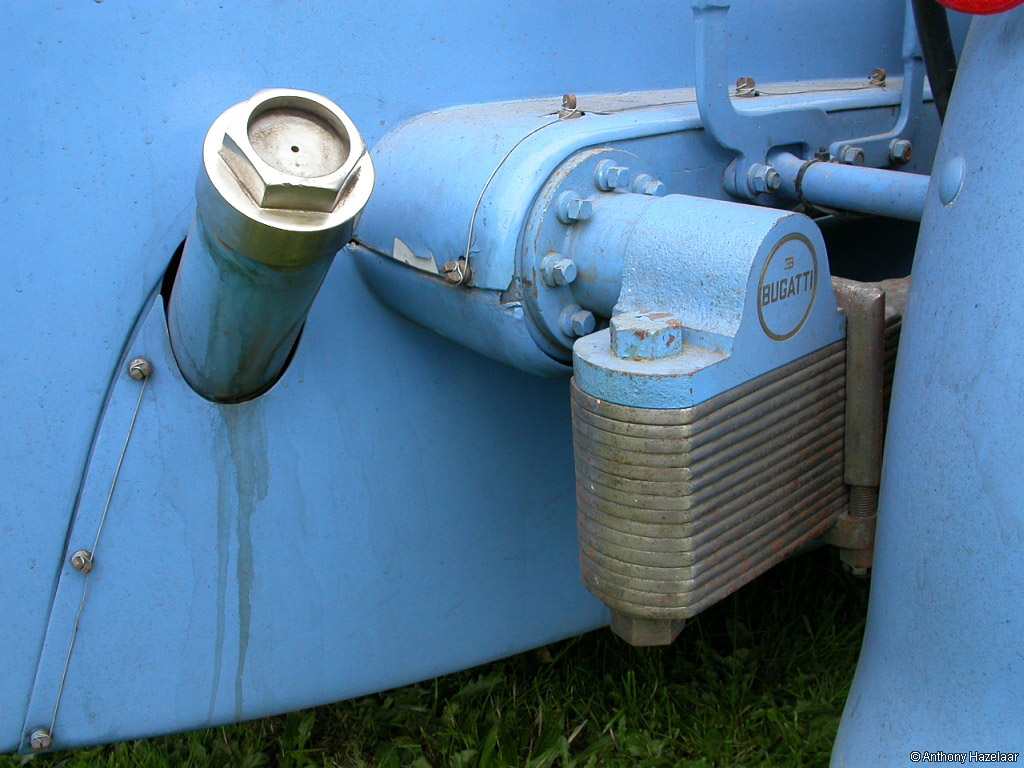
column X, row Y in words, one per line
column 396, row 507
column 941, row 668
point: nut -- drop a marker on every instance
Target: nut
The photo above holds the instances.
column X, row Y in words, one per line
column 851, row 156
column 290, row 150
column 643, row 632
column 763, row 178
column 40, row 740
column 609, row 176
column 82, row 561
column 900, row 151
column 140, row 368
column 571, row 208
column 557, row 270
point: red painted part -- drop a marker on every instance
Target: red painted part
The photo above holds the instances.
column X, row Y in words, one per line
column 981, row 6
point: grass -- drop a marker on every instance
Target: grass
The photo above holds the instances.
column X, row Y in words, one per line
column 759, row 679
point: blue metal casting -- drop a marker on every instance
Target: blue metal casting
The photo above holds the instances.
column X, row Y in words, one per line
column 941, row 668
column 395, row 506
column 749, row 286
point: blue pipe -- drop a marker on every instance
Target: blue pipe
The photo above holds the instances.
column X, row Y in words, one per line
column 850, row 187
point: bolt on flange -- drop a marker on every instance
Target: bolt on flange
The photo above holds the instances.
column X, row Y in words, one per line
column 576, row 321
column 556, row 269
column 608, row 176
column 571, row 208
column 851, row 156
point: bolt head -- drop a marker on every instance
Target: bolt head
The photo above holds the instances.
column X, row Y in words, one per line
column 40, row 740
column 609, row 176
column 291, row 150
column 583, row 322
column 82, row 561
column 852, row 156
column 900, row 151
column 576, row 321
column 646, row 335
column 140, row 368
column 572, row 208
column 658, row 189
column 557, row 270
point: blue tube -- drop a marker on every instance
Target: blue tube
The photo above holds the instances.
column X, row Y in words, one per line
column 895, row 194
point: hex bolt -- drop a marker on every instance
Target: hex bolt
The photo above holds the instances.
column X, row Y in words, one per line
column 40, row 740
column 900, row 151
column 82, row 561
column 576, row 321
column 571, row 208
column 645, row 184
column 140, row 368
column 851, row 156
column 763, row 178
column 556, row 270
column 610, row 176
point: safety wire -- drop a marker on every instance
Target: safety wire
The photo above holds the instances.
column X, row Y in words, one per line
column 96, row 541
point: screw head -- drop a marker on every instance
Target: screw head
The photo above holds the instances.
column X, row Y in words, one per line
column 900, row 151
column 40, row 740
column 557, row 270
column 140, row 368
column 878, row 76
column 82, row 561
column 851, row 156
column 572, row 208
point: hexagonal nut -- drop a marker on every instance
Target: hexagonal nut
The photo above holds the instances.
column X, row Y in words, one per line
column 291, row 150
column 763, row 178
column 646, row 335
column 851, row 156
column 570, row 208
column 900, row 151
column 556, row 270
column 643, row 632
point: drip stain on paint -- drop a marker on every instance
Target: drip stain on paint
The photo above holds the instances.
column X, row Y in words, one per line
column 242, row 486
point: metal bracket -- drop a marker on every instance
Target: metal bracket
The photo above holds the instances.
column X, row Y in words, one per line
column 893, row 146
column 751, row 135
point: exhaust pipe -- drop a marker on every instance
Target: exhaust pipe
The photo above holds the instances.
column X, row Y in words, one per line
column 284, row 178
